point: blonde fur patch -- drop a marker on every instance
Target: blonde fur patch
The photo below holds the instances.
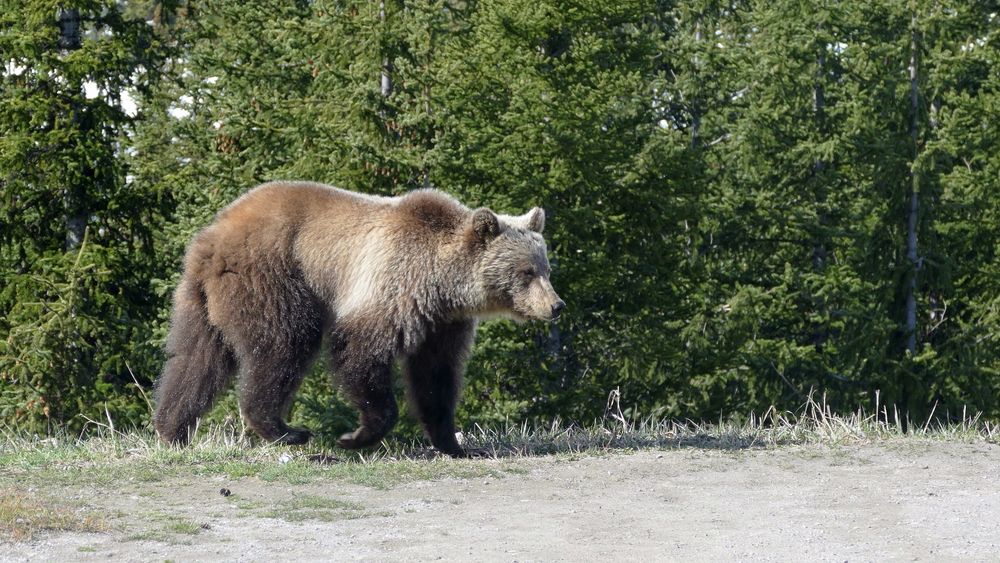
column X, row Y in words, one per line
column 366, row 277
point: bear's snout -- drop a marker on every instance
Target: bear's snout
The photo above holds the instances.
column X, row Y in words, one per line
column 557, row 308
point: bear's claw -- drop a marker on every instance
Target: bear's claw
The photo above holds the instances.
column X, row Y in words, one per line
column 294, row 436
column 360, row 438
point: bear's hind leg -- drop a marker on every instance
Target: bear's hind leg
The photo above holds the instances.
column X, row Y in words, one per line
column 434, row 377
column 272, row 367
column 274, row 324
column 267, row 389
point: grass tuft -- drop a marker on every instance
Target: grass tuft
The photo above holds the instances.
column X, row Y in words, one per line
column 313, row 507
column 23, row 517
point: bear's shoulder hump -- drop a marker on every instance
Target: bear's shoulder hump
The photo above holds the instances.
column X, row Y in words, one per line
column 431, row 209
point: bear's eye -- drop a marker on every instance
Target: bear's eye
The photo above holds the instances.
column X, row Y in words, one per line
column 527, row 273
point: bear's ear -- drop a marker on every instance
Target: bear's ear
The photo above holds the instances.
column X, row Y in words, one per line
column 485, row 224
column 533, row 220
column 536, row 220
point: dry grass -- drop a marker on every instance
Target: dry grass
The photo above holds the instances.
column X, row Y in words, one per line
column 814, row 423
column 108, row 454
column 23, row 517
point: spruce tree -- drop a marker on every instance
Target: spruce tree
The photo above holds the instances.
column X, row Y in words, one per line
column 75, row 248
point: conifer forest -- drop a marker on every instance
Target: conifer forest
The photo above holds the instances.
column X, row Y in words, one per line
column 748, row 203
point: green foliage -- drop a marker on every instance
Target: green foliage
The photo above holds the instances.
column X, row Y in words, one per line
column 810, row 162
column 72, row 334
column 728, row 188
column 76, row 313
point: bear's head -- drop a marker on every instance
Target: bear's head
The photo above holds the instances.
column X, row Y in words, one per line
column 513, row 266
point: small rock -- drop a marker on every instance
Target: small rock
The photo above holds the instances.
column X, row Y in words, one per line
column 225, row 492
column 284, row 458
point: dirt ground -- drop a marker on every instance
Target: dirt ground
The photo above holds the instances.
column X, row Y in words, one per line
column 913, row 501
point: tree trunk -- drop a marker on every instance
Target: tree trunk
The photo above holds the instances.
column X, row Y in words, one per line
column 911, row 228
column 74, row 195
column 820, row 333
column 386, row 62
column 696, row 102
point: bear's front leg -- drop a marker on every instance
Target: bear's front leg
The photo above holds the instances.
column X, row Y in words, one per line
column 434, row 378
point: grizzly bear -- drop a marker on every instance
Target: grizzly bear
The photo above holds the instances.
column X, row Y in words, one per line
column 291, row 264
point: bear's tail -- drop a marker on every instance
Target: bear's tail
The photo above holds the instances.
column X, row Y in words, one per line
column 199, row 366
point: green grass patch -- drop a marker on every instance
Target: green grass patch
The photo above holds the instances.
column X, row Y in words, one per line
column 167, row 528
column 313, row 507
column 385, row 473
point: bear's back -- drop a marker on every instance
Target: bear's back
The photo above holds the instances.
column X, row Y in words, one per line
column 351, row 249
column 260, row 231
column 296, row 202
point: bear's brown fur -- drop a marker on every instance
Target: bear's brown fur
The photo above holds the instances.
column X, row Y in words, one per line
column 291, row 264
